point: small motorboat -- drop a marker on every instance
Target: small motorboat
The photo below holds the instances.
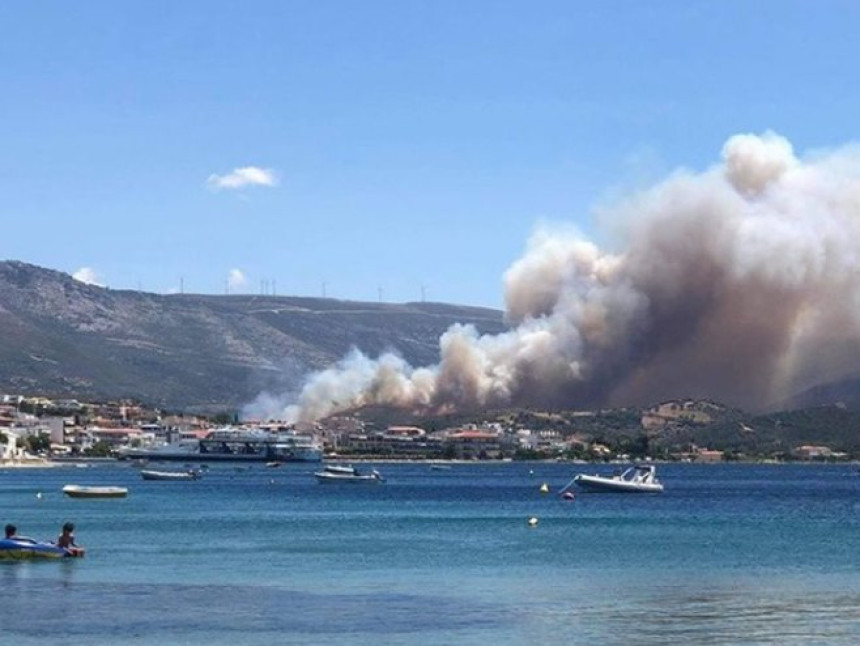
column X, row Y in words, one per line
column 635, row 479
column 21, row 548
column 80, row 491
column 334, row 473
column 150, row 474
column 340, row 468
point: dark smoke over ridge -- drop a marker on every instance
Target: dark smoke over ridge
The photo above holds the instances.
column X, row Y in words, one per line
column 740, row 284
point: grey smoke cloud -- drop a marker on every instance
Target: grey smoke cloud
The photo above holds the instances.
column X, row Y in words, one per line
column 740, row 283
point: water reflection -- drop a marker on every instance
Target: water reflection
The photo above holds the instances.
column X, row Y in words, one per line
column 733, row 613
column 115, row 610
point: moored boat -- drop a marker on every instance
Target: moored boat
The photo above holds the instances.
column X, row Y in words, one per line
column 635, row 479
column 80, row 491
column 234, row 445
column 334, row 473
column 151, row 474
column 340, row 468
column 26, row 548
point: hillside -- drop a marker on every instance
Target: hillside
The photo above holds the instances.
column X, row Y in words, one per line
column 61, row 337
column 673, row 426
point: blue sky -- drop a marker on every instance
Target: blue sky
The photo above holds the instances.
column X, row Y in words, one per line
column 402, row 148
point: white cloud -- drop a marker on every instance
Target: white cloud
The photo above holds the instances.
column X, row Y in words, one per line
column 236, row 278
column 88, row 276
column 242, row 177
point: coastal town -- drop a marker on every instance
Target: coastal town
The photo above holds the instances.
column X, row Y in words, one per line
column 40, row 431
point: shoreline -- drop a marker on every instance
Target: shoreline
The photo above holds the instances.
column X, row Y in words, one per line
column 27, row 464
column 389, row 460
column 47, row 463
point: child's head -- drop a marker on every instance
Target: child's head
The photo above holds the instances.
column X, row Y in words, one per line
column 68, row 528
column 11, row 530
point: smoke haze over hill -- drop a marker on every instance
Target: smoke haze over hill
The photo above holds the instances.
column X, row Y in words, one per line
column 740, row 283
column 62, row 337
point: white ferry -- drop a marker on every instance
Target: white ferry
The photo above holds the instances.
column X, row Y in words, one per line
column 235, row 444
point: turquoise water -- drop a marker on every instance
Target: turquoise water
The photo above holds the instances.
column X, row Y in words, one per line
column 729, row 554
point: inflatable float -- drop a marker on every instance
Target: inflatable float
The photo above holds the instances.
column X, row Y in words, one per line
column 27, row 548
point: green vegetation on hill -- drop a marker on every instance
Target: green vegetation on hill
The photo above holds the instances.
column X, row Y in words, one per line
column 708, row 426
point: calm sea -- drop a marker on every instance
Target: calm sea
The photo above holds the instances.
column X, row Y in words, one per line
column 729, row 554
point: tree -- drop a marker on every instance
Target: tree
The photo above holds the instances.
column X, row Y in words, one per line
column 38, row 443
column 223, row 419
column 27, row 407
column 528, row 454
column 639, row 447
column 100, row 449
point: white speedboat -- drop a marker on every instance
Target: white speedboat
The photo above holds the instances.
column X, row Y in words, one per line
column 150, row 474
column 79, row 491
column 334, row 473
column 635, row 479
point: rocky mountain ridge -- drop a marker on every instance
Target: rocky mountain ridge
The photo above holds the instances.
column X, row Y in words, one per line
column 61, row 337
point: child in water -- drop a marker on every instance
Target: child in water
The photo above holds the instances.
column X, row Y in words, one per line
column 67, row 540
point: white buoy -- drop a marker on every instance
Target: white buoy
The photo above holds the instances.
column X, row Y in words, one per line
column 39, row 495
column 544, row 488
column 533, row 521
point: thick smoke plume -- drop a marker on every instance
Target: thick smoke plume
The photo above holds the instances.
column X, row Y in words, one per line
column 739, row 284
